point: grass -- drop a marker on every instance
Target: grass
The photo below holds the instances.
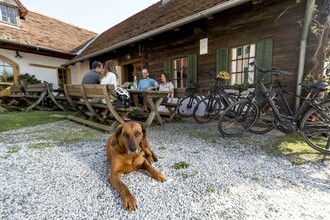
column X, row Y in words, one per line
column 11, row 151
column 68, row 138
column 15, row 120
column 180, row 165
column 293, row 147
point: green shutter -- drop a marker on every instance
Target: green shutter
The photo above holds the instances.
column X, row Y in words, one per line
column 222, row 59
column 264, row 56
column 192, row 71
column 168, row 67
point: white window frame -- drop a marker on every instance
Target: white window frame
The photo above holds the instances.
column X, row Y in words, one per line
column 179, row 72
column 11, row 16
column 240, row 57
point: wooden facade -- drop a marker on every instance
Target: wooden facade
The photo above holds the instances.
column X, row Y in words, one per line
column 272, row 21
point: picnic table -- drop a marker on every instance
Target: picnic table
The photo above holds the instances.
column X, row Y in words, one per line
column 154, row 99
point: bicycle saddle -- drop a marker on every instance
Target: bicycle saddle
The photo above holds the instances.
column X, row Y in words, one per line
column 322, row 86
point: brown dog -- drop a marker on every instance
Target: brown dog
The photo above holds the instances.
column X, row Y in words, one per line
column 128, row 150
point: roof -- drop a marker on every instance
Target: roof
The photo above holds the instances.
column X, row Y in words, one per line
column 43, row 31
column 151, row 18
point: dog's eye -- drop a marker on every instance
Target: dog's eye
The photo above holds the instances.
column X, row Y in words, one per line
column 126, row 135
column 137, row 134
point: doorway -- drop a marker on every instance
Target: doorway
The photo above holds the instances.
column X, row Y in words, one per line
column 129, row 70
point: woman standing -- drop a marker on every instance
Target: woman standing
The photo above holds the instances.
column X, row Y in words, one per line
column 167, row 85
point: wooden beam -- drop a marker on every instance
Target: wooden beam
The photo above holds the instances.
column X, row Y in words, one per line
column 43, row 66
column 91, row 124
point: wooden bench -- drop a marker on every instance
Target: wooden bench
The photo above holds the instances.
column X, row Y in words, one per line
column 179, row 94
column 38, row 96
column 29, row 98
column 86, row 99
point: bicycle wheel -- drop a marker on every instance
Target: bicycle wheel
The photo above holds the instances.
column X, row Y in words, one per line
column 315, row 128
column 187, row 106
column 207, row 109
column 238, row 117
column 265, row 121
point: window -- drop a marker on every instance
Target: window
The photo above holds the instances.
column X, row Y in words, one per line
column 179, row 72
column 236, row 61
column 240, row 57
column 182, row 71
column 63, row 77
column 6, row 72
column 9, row 14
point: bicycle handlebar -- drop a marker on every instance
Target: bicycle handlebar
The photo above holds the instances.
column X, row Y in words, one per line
column 272, row 70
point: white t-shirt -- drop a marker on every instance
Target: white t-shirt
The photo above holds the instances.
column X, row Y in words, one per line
column 110, row 78
column 168, row 86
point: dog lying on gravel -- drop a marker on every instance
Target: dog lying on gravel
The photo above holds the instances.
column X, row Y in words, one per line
column 128, row 150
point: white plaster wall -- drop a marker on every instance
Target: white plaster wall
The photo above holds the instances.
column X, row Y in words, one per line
column 41, row 73
column 78, row 71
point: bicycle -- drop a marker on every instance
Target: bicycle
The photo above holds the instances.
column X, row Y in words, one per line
column 264, row 122
column 188, row 103
column 209, row 108
column 311, row 120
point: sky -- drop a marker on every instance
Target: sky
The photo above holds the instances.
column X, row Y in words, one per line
column 95, row 15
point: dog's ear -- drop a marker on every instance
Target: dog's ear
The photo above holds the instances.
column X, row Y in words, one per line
column 150, row 155
column 144, row 143
column 115, row 137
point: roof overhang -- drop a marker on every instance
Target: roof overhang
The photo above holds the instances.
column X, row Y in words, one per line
column 35, row 49
column 171, row 26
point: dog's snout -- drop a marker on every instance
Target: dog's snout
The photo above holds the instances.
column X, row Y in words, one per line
column 132, row 147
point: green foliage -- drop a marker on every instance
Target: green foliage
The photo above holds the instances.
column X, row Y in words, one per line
column 244, row 85
column 29, row 79
column 5, row 76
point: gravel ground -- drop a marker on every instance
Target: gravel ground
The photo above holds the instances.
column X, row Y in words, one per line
column 50, row 175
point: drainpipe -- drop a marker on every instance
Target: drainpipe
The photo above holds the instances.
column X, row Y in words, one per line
column 303, row 45
column 171, row 26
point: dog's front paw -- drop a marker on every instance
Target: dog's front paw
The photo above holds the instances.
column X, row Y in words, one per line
column 150, row 159
column 161, row 177
column 130, row 203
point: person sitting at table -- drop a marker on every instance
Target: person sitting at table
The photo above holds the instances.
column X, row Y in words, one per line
column 167, row 85
column 93, row 76
column 109, row 76
column 146, row 83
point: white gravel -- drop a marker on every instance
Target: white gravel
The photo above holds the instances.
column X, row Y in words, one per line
column 225, row 178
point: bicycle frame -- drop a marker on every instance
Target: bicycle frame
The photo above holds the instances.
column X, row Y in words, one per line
column 308, row 102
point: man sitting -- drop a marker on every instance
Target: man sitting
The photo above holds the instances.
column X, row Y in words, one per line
column 146, row 83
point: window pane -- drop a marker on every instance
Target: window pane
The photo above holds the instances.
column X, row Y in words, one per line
column 6, row 71
column 241, row 56
column 239, row 53
column 234, row 54
column 252, row 50
column 12, row 15
column 179, row 73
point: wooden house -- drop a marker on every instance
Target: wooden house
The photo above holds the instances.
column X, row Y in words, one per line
column 192, row 38
column 37, row 44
